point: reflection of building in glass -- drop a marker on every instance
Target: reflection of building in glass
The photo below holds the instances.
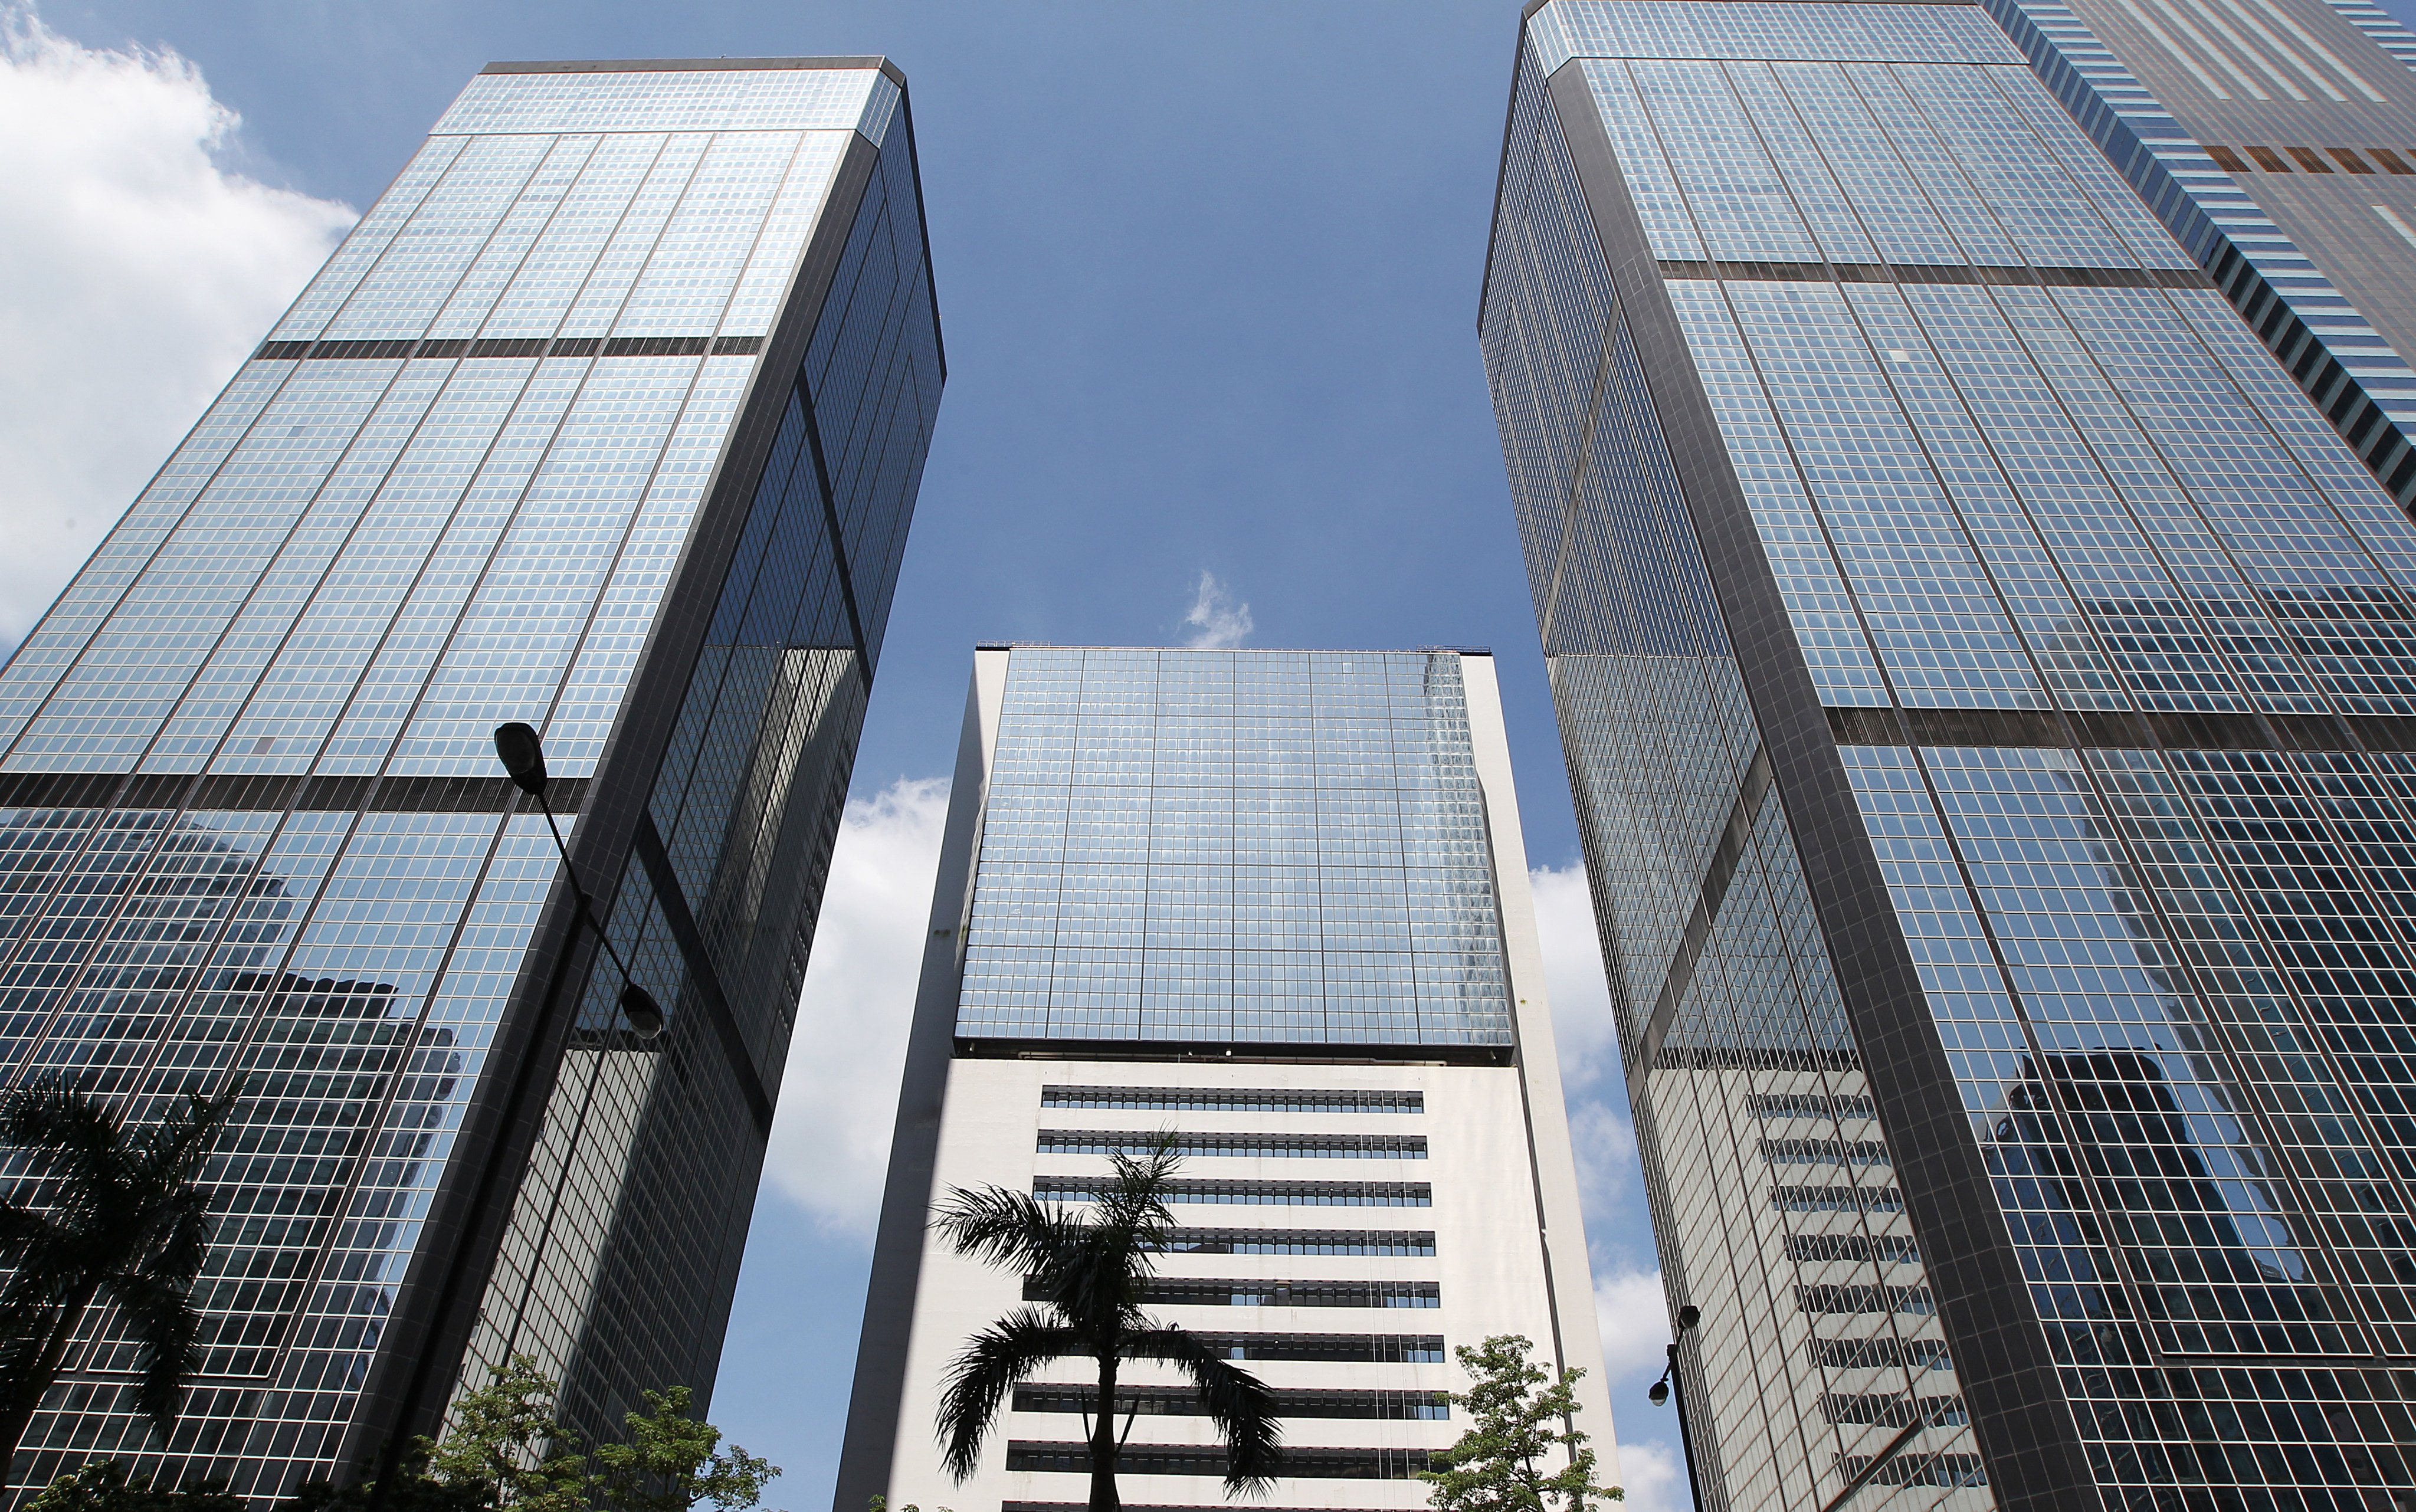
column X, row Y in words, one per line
column 1989, row 688
column 609, row 418
column 1276, row 904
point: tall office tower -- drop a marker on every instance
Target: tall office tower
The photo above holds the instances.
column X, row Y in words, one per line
column 1987, row 683
column 608, row 416
column 1275, row 902
column 2276, row 139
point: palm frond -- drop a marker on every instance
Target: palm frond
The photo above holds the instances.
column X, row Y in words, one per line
column 171, row 1151
column 1237, row 1401
column 1134, row 1203
column 995, row 1361
column 160, row 1314
column 74, row 1136
column 1011, row 1229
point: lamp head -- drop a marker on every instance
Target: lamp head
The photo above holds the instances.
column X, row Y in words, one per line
column 524, row 756
column 1688, row 1316
column 645, row 1014
column 1660, row 1392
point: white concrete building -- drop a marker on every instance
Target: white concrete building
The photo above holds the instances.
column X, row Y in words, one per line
column 1276, row 903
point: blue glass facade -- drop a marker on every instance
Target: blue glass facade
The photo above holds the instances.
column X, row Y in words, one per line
column 1985, row 679
column 608, row 416
column 1277, row 846
column 2271, row 139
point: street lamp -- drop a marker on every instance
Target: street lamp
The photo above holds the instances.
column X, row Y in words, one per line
column 523, row 757
column 1671, row 1384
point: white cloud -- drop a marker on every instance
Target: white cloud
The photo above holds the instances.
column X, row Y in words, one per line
column 1214, row 618
column 838, row 1097
column 1654, row 1478
column 1605, row 1144
column 1583, row 1029
column 1634, row 1318
column 140, row 273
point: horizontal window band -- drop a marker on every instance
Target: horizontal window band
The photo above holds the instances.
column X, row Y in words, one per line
column 1189, row 1291
column 1883, row 1352
column 2121, row 731
column 1234, row 1146
column 1181, row 1401
column 538, row 346
column 1238, row 1100
column 1899, row 1249
column 1742, row 1057
column 1256, row 1193
column 1347, row 1349
column 1236, row 1052
column 277, row 793
column 1809, row 1105
column 1300, row 1242
column 1209, row 1460
column 1825, row 1152
column 2059, row 278
column 1894, row 1409
column 1837, row 1199
column 1835, row 1300
column 1916, row 1469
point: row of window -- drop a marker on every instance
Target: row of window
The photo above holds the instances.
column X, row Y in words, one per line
column 1809, row 1105
column 1207, row 1292
column 1195, row 1459
column 1255, row 1193
column 1180, row 1402
column 1232, row 1100
column 1300, row 1242
column 1264, row 1146
column 2310, row 159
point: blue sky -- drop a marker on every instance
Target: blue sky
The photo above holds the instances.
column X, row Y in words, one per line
column 1208, row 280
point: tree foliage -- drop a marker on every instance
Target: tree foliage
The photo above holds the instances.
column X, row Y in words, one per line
column 104, row 1486
column 107, row 1212
column 507, row 1452
column 1089, row 1275
column 671, row 1462
column 1521, row 1420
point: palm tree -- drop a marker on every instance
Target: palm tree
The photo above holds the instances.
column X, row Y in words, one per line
column 1090, row 1276
column 122, row 1222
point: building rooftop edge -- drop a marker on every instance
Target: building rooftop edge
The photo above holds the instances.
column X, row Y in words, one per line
column 693, row 65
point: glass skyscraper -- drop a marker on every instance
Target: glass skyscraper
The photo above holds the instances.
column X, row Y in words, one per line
column 2276, row 139
column 1988, row 688
column 1274, row 902
column 608, row 416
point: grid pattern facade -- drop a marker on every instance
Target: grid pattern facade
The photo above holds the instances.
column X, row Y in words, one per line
column 2305, row 240
column 1228, row 847
column 2110, row 635
column 247, row 803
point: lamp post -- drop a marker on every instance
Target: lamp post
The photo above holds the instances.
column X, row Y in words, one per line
column 523, row 757
column 1671, row 1384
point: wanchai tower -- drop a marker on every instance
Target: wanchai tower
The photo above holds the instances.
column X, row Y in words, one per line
column 608, row 418
column 1987, row 680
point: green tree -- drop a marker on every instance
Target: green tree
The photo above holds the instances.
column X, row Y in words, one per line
column 505, row 1441
column 507, row 1452
column 1519, row 1416
column 671, row 1462
column 1090, row 1275
column 103, row 1212
column 103, row 1486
